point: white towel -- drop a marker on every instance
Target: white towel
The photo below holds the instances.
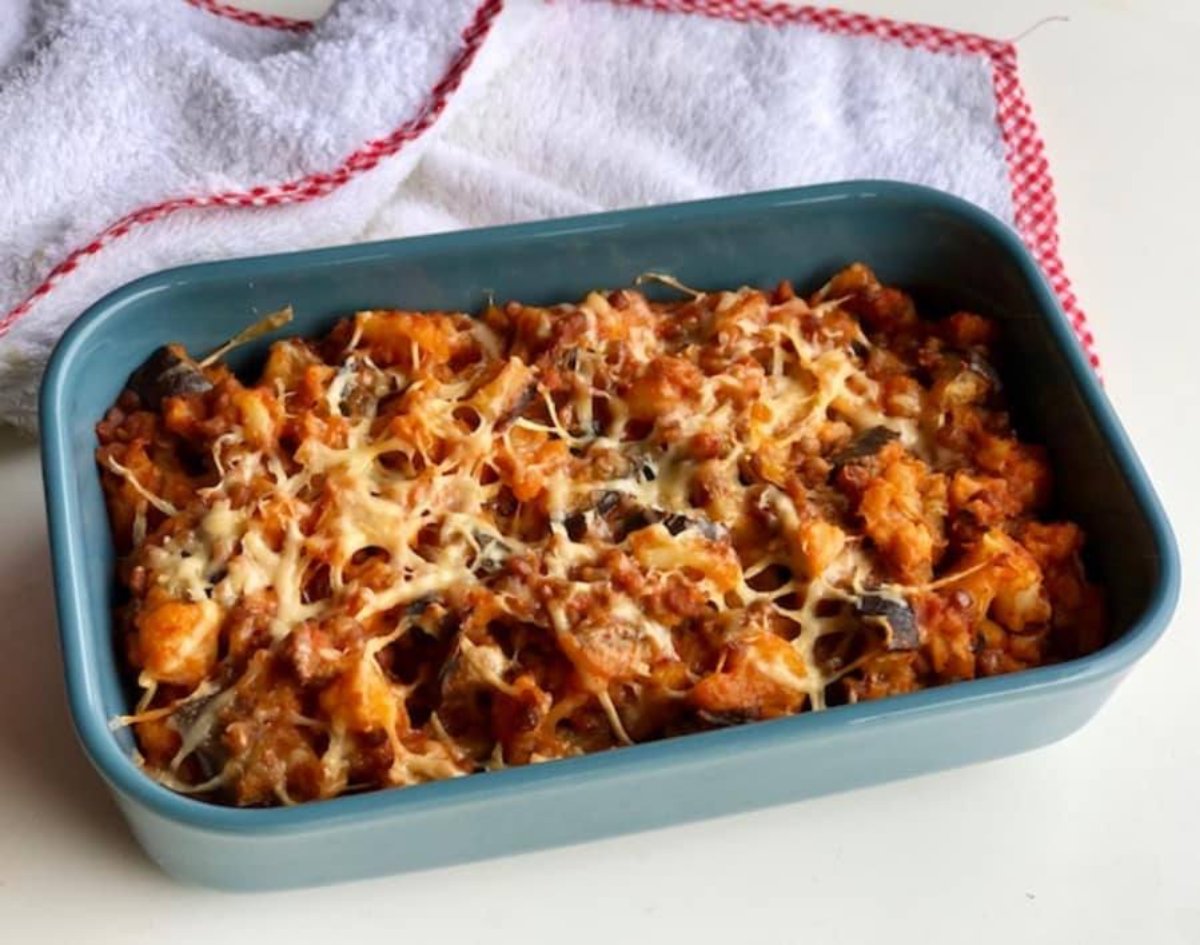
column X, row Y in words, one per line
column 140, row 134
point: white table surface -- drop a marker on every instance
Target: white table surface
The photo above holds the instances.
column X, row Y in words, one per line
column 1095, row 839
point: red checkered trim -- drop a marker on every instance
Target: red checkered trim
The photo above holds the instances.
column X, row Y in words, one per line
column 1035, row 211
column 250, row 18
column 290, row 192
column 1035, row 208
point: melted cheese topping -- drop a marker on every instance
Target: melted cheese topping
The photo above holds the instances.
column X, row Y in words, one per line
column 600, row 515
column 337, row 500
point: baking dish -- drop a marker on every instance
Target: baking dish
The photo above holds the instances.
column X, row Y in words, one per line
column 947, row 252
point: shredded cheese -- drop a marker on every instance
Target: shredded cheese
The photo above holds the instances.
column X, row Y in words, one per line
column 594, row 515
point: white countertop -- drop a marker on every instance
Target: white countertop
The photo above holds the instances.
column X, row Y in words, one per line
column 1095, row 839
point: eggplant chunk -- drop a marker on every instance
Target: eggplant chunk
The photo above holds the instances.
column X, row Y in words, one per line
column 517, row 407
column 619, row 513
column 711, row 530
column 607, row 502
column 168, row 372
column 895, row 616
column 211, row 756
column 866, row 444
column 984, row 368
column 624, row 516
column 492, row 556
column 676, row 523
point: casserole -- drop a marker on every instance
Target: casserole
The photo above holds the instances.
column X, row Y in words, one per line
column 946, row 252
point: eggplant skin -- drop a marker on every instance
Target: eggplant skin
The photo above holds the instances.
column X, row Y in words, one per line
column 624, row 517
column 863, row 446
column 713, row 531
column 168, row 372
column 523, row 400
column 896, row 616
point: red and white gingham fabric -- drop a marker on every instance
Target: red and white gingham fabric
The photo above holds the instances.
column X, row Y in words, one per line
column 519, row 146
column 934, row 75
column 300, row 190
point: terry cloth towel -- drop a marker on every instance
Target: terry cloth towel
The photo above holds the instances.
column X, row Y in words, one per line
column 141, row 134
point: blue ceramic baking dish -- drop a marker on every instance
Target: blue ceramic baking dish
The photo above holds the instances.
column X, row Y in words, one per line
column 946, row 251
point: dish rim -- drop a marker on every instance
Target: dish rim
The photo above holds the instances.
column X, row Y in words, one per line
column 80, row 640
